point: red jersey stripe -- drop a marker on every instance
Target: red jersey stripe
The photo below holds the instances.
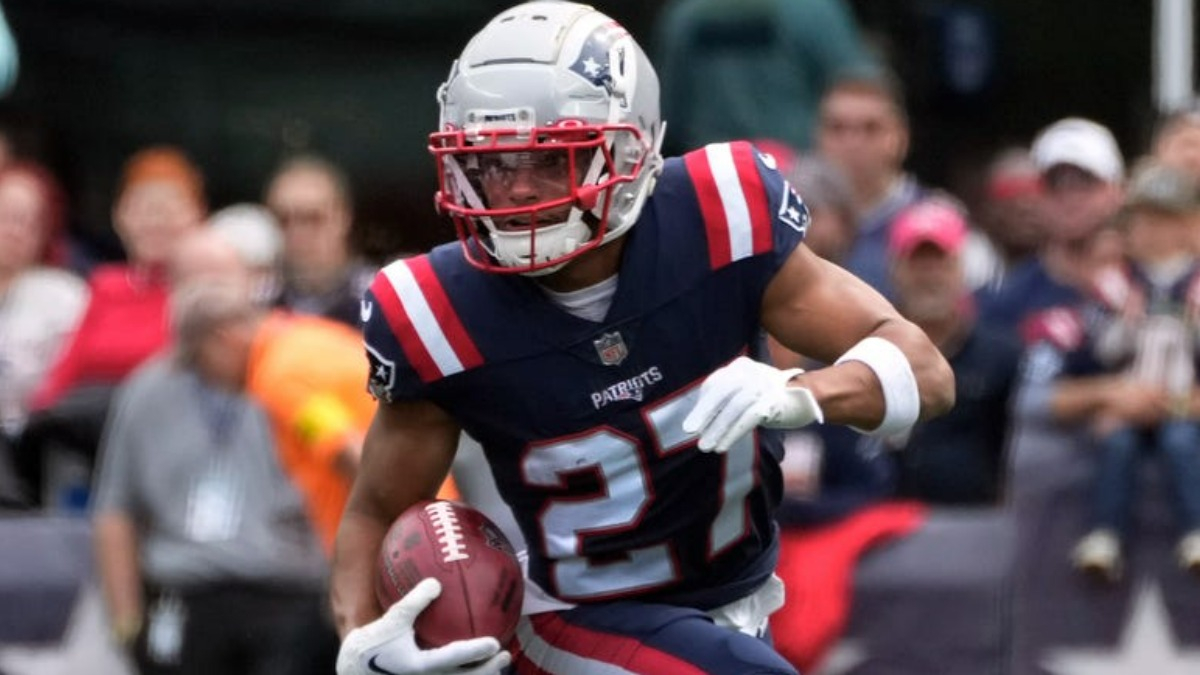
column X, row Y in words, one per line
column 619, row 650
column 453, row 328
column 716, row 226
column 755, row 195
column 401, row 325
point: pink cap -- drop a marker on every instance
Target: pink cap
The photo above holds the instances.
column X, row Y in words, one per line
column 932, row 221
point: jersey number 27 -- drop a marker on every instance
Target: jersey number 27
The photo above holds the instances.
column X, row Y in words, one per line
column 624, row 497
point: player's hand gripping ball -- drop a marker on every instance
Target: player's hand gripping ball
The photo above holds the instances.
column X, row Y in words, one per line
column 482, row 584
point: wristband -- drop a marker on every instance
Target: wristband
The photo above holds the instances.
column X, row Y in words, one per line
column 901, row 400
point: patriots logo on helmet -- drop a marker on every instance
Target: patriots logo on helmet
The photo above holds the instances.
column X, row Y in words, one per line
column 593, row 63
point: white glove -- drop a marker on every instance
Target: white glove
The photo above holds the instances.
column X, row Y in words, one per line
column 743, row 395
column 387, row 646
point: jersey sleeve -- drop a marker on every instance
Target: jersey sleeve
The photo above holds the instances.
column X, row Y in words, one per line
column 391, row 377
column 413, row 335
column 748, row 209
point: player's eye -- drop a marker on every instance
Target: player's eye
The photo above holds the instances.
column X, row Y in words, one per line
column 503, row 167
column 549, row 161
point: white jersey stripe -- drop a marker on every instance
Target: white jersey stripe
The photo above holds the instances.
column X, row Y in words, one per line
column 733, row 200
column 423, row 320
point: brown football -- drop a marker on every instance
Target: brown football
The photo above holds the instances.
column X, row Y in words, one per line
column 482, row 585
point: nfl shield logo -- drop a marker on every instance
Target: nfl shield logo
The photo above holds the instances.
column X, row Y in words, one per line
column 611, row 349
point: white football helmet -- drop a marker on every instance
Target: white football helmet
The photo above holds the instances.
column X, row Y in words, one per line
column 550, row 137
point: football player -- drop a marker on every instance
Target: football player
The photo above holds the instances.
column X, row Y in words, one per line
column 599, row 329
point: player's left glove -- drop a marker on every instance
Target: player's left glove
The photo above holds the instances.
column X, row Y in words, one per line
column 743, row 395
column 387, row 646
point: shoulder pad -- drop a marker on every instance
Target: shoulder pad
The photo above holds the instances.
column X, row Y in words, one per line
column 417, row 310
column 733, row 200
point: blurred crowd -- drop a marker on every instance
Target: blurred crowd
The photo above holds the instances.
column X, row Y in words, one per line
column 203, row 399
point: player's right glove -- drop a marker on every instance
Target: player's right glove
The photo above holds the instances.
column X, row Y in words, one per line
column 388, row 646
column 743, row 395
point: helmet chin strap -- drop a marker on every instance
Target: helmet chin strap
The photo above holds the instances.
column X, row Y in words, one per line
column 563, row 238
column 588, row 196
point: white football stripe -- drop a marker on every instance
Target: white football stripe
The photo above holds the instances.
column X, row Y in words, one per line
column 422, row 318
column 733, row 200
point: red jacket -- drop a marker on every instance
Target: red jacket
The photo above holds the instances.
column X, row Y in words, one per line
column 125, row 322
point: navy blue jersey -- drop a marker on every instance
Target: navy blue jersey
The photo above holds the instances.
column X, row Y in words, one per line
column 1063, row 341
column 1027, row 290
column 582, row 421
column 1176, row 299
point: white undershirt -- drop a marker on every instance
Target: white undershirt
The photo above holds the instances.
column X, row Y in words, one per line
column 589, row 303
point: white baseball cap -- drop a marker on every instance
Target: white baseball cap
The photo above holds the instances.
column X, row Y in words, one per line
column 252, row 230
column 1081, row 143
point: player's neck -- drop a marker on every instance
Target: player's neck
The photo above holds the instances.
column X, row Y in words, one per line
column 588, row 269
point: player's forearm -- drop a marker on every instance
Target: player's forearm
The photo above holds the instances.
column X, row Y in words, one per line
column 352, row 589
column 847, row 394
column 120, row 576
column 934, row 376
column 406, row 455
column 851, row 392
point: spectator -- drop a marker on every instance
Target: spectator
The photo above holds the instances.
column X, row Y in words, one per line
column 957, row 458
column 254, row 232
column 307, row 373
column 863, row 130
column 160, row 197
column 40, row 303
column 205, row 555
column 311, row 199
column 1082, row 174
column 738, row 71
column 1130, row 378
column 1011, row 213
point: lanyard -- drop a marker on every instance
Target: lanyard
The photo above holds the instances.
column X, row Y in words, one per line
column 221, row 412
